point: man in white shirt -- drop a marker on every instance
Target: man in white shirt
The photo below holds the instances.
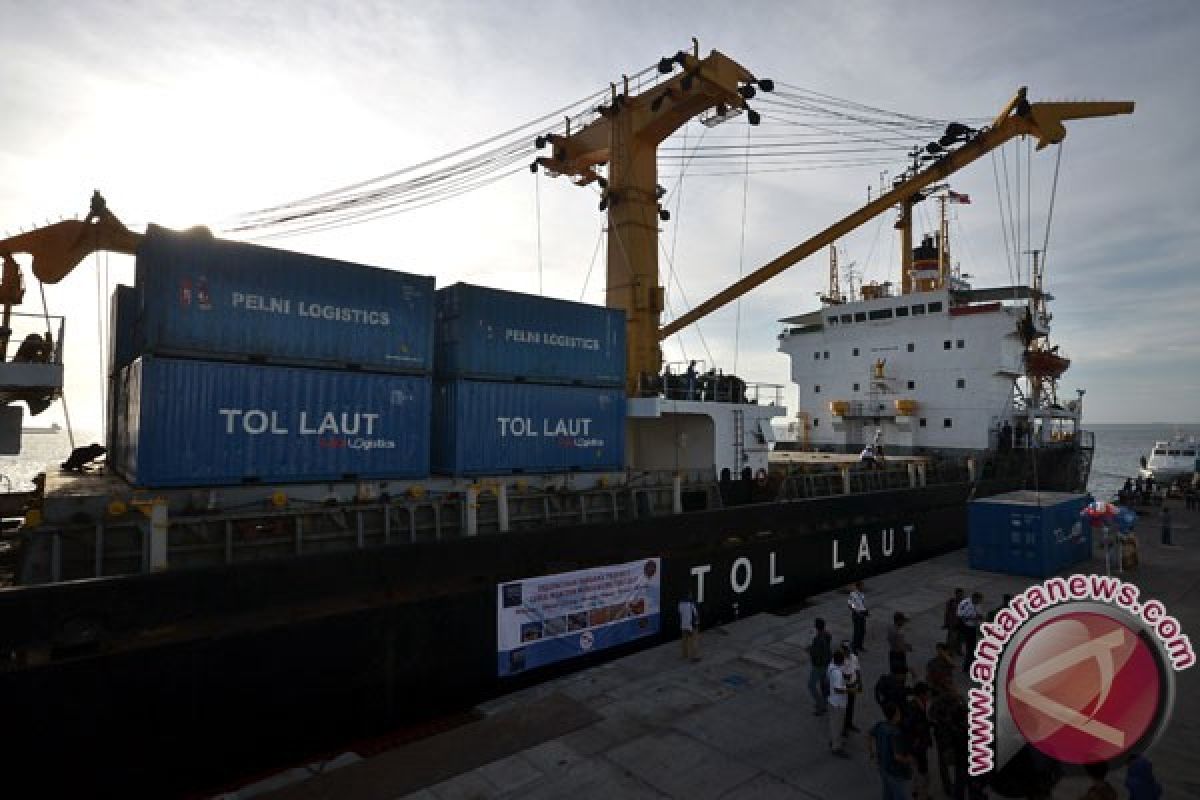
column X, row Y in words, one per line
column 851, row 672
column 970, row 616
column 838, row 698
column 689, row 627
column 858, row 617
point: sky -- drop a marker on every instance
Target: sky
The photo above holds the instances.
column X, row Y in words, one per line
column 185, row 114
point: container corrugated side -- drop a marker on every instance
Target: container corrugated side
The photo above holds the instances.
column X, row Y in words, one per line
column 1021, row 538
column 202, row 423
column 122, row 350
column 494, row 334
column 484, row 427
column 122, row 345
column 210, row 298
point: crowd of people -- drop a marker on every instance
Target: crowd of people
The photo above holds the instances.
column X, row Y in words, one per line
column 923, row 715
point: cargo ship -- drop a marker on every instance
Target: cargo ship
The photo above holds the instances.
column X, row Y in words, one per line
column 338, row 498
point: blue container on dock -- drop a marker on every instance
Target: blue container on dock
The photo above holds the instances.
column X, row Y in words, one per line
column 210, row 298
column 493, row 334
column 1028, row 533
column 204, row 423
column 485, row 427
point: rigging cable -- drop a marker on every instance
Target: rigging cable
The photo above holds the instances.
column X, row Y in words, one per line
column 537, row 200
column 595, row 251
column 737, row 328
column 1050, row 210
column 1003, row 226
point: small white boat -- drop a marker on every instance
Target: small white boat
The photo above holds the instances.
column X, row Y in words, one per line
column 1171, row 460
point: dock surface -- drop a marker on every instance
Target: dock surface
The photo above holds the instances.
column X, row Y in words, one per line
column 739, row 723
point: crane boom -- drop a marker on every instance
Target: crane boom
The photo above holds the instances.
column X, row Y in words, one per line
column 58, row 248
column 1042, row 120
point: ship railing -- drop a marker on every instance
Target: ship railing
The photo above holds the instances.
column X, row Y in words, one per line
column 48, row 346
column 856, row 479
column 126, row 545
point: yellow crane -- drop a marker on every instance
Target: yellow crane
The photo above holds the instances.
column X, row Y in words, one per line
column 625, row 137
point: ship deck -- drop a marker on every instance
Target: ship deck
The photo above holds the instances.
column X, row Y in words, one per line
column 808, row 458
column 739, row 723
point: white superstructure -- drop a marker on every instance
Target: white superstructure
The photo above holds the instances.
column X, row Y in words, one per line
column 941, row 367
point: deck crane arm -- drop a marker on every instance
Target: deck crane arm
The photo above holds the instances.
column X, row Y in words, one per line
column 58, row 248
column 1019, row 117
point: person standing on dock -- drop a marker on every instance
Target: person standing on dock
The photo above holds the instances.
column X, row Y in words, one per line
column 820, row 653
column 970, row 617
column 952, row 625
column 838, row 699
column 858, row 617
column 1166, row 525
column 898, row 646
column 886, row 745
column 689, row 627
column 852, row 672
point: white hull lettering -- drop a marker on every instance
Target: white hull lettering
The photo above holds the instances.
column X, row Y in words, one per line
column 775, row 579
column 739, row 585
column 886, row 546
column 698, row 573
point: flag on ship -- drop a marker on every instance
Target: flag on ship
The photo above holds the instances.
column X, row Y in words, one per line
column 956, row 197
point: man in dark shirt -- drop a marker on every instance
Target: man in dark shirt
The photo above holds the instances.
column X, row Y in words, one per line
column 820, row 654
column 939, row 672
column 887, row 747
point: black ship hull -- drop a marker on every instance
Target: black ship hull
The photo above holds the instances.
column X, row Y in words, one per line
column 167, row 682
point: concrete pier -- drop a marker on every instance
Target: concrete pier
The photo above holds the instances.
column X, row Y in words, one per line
column 739, row 723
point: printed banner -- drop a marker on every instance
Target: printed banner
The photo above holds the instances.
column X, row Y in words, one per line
column 553, row 617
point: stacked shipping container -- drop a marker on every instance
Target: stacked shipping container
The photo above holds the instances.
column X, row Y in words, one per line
column 334, row 375
column 526, row 384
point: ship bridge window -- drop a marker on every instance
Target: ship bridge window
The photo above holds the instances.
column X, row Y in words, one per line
column 911, row 345
column 860, row 316
column 902, row 311
column 918, row 310
column 1189, row 453
column 881, row 313
column 855, row 351
column 923, row 422
column 817, row 389
column 960, row 344
column 935, row 307
column 1172, row 452
column 1160, row 452
column 947, row 423
column 833, row 320
column 946, row 345
column 825, row 355
column 856, row 387
column 817, row 356
column 847, row 319
column 816, row 422
column 961, row 383
column 912, row 385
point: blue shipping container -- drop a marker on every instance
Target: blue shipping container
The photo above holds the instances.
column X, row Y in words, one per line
column 206, row 297
column 122, row 347
column 1028, row 533
column 204, row 423
column 490, row 333
column 482, row 428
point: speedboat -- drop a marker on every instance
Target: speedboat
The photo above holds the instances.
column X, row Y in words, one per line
column 1171, row 460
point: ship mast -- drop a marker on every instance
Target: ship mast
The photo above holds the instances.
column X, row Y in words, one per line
column 625, row 138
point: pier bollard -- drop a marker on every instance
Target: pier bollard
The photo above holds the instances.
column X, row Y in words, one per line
column 472, row 509
column 502, row 507
column 158, row 535
column 677, row 495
